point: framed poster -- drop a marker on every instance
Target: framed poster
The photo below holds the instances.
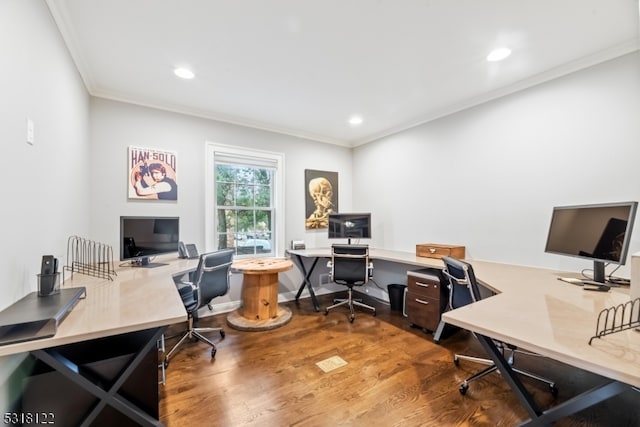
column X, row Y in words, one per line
column 321, row 197
column 152, row 174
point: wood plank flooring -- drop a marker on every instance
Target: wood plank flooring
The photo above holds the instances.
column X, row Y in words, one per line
column 395, row 375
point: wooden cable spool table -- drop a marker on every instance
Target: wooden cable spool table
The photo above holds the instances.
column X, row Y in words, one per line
column 260, row 310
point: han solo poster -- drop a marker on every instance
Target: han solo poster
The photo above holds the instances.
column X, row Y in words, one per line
column 152, row 174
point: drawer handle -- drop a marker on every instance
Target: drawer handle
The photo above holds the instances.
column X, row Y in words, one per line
column 422, row 301
column 424, row 285
column 432, row 250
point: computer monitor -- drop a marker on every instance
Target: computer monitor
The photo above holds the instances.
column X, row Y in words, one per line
column 597, row 232
column 143, row 237
column 350, row 226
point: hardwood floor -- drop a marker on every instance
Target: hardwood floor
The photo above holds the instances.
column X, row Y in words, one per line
column 395, row 375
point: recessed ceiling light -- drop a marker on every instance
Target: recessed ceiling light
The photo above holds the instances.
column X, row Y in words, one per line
column 355, row 120
column 184, row 73
column 498, row 54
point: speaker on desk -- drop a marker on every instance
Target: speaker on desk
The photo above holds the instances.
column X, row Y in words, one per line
column 49, row 278
column 298, row 245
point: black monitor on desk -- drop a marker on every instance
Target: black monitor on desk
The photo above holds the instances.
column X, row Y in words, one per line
column 142, row 237
column 350, row 226
column 598, row 232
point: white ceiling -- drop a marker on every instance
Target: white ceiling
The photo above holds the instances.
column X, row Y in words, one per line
column 302, row 67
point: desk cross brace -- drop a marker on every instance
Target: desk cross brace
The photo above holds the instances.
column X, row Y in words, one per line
column 537, row 417
column 306, row 282
column 509, row 376
column 106, row 397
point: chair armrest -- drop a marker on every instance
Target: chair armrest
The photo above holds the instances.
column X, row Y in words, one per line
column 183, row 276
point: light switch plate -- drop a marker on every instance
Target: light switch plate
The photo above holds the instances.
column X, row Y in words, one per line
column 30, row 131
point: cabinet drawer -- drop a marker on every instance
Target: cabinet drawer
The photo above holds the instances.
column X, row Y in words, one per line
column 423, row 311
column 424, row 286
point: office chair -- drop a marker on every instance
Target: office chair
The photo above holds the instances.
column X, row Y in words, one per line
column 209, row 280
column 463, row 290
column 350, row 267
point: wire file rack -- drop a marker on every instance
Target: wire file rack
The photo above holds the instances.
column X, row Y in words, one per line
column 619, row 318
column 89, row 257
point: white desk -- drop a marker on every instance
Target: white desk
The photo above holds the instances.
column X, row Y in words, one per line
column 137, row 299
column 535, row 311
column 130, row 311
column 400, row 257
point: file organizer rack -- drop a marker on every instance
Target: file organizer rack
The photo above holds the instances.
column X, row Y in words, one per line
column 88, row 257
column 618, row 318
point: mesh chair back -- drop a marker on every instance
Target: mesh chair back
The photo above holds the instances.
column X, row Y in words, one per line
column 212, row 275
column 463, row 287
column 350, row 264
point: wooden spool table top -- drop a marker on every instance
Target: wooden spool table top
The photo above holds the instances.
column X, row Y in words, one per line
column 262, row 265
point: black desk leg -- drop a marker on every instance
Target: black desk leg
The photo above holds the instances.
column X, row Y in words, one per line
column 307, row 280
column 510, row 377
column 539, row 418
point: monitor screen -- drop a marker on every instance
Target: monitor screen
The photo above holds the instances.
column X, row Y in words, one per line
column 350, row 226
column 142, row 237
column 599, row 232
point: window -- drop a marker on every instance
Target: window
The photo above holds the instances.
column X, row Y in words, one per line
column 244, row 206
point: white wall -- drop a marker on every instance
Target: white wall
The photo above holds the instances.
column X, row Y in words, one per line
column 45, row 189
column 115, row 125
column 488, row 177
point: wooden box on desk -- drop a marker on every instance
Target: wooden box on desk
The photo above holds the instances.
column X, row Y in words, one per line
column 434, row 250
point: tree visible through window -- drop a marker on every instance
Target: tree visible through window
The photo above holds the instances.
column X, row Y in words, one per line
column 244, row 206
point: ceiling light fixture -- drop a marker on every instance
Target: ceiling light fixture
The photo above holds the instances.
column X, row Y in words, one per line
column 355, row 120
column 184, row 73
column 498, row 54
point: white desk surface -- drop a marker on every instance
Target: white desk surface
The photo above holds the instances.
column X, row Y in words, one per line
column 537, row 312
column 136, row 299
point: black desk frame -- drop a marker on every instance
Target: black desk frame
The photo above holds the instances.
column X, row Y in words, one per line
column 306, row 281
column 110, row 396
column 577, row 403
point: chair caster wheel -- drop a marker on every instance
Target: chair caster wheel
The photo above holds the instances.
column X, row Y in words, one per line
column 374, row 313
column 222, row 333
column 213, row 352
column 463, row 389
column 165, row 363
column 326, row 311
column 554, row 390
column 352, row 318
column 456, row 361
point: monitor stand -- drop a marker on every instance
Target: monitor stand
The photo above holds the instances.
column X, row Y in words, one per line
column 143, row 262
column 152, row 265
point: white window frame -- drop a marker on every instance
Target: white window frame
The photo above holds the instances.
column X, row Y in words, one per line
column 213, row 149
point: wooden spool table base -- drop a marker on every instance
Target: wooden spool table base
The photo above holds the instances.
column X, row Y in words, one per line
column 260, row 310
column 237, row 321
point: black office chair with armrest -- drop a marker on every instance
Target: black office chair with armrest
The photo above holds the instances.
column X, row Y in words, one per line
column 350, row 267
column 463, row 290
column 208, row 281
